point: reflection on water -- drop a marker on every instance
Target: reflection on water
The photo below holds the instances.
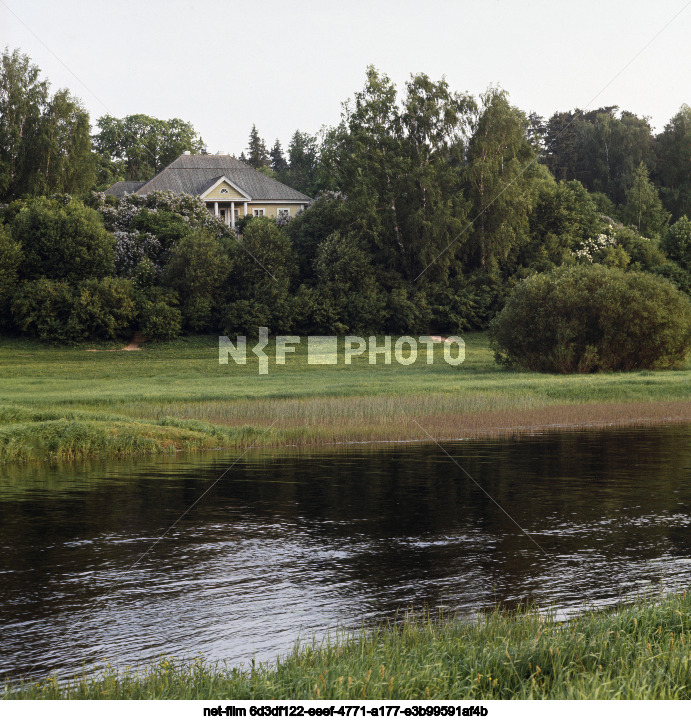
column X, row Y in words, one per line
column 292, row 545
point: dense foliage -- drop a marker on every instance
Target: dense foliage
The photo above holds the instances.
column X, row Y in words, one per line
column 590, row 317
column 430, row 207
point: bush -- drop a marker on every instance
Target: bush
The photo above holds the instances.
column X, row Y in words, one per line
column 677, row 242
column 43, row 308
column 104, row 308
column 160, row 321
column 55, row 312
column 198, row 269
column 592, row 318
column 61, row 240
column 258, row 285
column 10, row 259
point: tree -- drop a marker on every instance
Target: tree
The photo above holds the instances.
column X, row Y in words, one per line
column 433, row 208
column 138, row 146
column 643, row 208
column 599, row 148
column 347, row 285
column 61, row 240
column 278, row 162
column 262, row 269
column 198, row 268
column 302, row 156
column 44, row 140
column 500, row 181
column 258, row 155
column 10, row 259
column 674, row 163
column 677, row 243
column 564, row 215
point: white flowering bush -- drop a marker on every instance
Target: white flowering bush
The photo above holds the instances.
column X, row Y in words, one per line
column 149, row 226
column 593, row 248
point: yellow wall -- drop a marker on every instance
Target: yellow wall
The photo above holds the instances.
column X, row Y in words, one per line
column 216, row 193
column 269, row 208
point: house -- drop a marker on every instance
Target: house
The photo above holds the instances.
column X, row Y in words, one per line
column 230, row 188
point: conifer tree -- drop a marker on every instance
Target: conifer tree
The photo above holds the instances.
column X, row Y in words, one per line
column 278, row 162
column 258, row 154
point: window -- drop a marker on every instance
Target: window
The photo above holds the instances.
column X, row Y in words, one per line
column 224, row 191
column 283, row 213
column 258, row 212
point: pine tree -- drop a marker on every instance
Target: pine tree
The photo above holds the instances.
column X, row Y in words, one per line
column 302, row 154
column 258, row 154
column 278, row 162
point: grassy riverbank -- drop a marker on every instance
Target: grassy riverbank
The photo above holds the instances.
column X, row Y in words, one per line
column 640, row 651
column 69, row 402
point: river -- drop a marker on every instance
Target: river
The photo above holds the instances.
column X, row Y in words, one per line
column 295, row 544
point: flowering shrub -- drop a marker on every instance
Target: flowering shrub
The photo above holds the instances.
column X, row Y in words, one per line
column 149, row 226
column 187, row 207
column 593, row 249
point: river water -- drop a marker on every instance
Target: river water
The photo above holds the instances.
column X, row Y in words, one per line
column 296, row 544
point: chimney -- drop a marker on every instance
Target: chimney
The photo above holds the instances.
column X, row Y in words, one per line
column 221, row 152
column 186, row 152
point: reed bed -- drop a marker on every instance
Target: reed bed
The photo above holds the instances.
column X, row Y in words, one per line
column 68, row 403
column 638, row 651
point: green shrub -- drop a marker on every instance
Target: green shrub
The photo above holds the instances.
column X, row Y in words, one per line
column 10, row 259
column 676, row 242
column 590, row 318
column 104, row 308
column 44, row 308
column 258, row 286
column 55, row 312
column 61, row 240
column 160, row 321
column 198, row 269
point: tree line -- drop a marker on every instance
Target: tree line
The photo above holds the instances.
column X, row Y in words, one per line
column 430, row 206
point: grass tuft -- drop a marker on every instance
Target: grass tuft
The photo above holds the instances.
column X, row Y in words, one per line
column 640, row 651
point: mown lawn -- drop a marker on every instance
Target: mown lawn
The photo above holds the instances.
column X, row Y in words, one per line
column 67, row 402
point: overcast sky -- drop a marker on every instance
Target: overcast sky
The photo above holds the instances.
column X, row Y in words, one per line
column 224, row 65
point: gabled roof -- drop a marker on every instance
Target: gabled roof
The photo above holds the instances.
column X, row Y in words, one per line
column 194, row 174
column 218, row 181
column 124, row 186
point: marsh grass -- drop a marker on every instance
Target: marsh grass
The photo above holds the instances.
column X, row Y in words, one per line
column 70, row 403
column 639, row 651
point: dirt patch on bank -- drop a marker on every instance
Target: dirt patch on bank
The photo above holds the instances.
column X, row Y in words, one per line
column 134, row 344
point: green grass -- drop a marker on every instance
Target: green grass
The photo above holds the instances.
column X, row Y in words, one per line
column 68, row 402
column 641, row 651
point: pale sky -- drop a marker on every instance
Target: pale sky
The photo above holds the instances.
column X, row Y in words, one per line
column 224, row 65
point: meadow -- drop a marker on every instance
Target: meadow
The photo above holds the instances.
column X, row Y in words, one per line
column 69, row 402
column 639, row 651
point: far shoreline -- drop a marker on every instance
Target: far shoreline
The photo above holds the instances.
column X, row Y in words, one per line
column 441, row 428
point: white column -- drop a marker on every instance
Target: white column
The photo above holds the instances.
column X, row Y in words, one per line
column 302, row 206
column 232, row 214
column 216, row 208
column 245, row 209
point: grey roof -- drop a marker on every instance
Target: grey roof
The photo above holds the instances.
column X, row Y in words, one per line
column 193, row 174
column 124, row 186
